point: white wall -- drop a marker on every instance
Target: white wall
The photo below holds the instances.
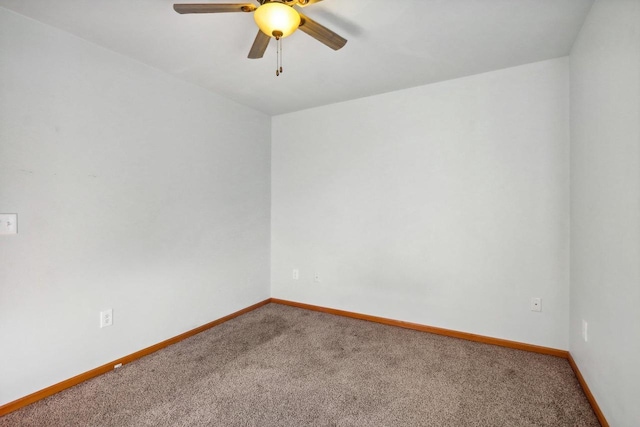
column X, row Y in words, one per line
column 134, row 191
column 445, row 205
column 605, row 207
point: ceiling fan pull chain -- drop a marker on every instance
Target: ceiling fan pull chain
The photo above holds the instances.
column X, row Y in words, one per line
column 278, row 56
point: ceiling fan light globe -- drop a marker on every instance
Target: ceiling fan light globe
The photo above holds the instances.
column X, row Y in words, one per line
column 277, row 17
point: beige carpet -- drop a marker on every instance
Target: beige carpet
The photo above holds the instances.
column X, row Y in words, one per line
column 283, row 366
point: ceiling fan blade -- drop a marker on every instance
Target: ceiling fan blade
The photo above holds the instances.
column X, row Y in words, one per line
column 321, row 33
column 259, row 45
column 305, row 3
column 213, row 7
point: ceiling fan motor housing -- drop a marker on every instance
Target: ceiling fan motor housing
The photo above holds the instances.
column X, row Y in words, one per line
column 287, row 2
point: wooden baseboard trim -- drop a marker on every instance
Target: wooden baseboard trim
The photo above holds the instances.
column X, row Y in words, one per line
column 587, row 392
column 46, row 392
column 431, row 329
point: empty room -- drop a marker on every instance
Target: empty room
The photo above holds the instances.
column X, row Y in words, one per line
column 320, row 212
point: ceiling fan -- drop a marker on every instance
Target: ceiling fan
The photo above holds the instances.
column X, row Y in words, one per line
column 275, row 18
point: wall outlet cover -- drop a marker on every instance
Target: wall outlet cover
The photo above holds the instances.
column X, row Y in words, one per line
column 106, row 318
column 8, row 223
column 536, row 304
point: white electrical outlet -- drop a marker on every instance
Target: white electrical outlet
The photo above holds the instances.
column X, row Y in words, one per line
column 536, row 304
column 316, row 277
column 585, row 334
column 8, row 223
column 106, row 318
column 296, row 274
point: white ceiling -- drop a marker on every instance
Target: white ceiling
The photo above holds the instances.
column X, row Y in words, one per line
column 393, row 44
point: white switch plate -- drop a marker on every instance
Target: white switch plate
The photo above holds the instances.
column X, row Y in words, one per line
column 536, row 304
column 8, row 223
column 585, row 333
column 316, row 277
